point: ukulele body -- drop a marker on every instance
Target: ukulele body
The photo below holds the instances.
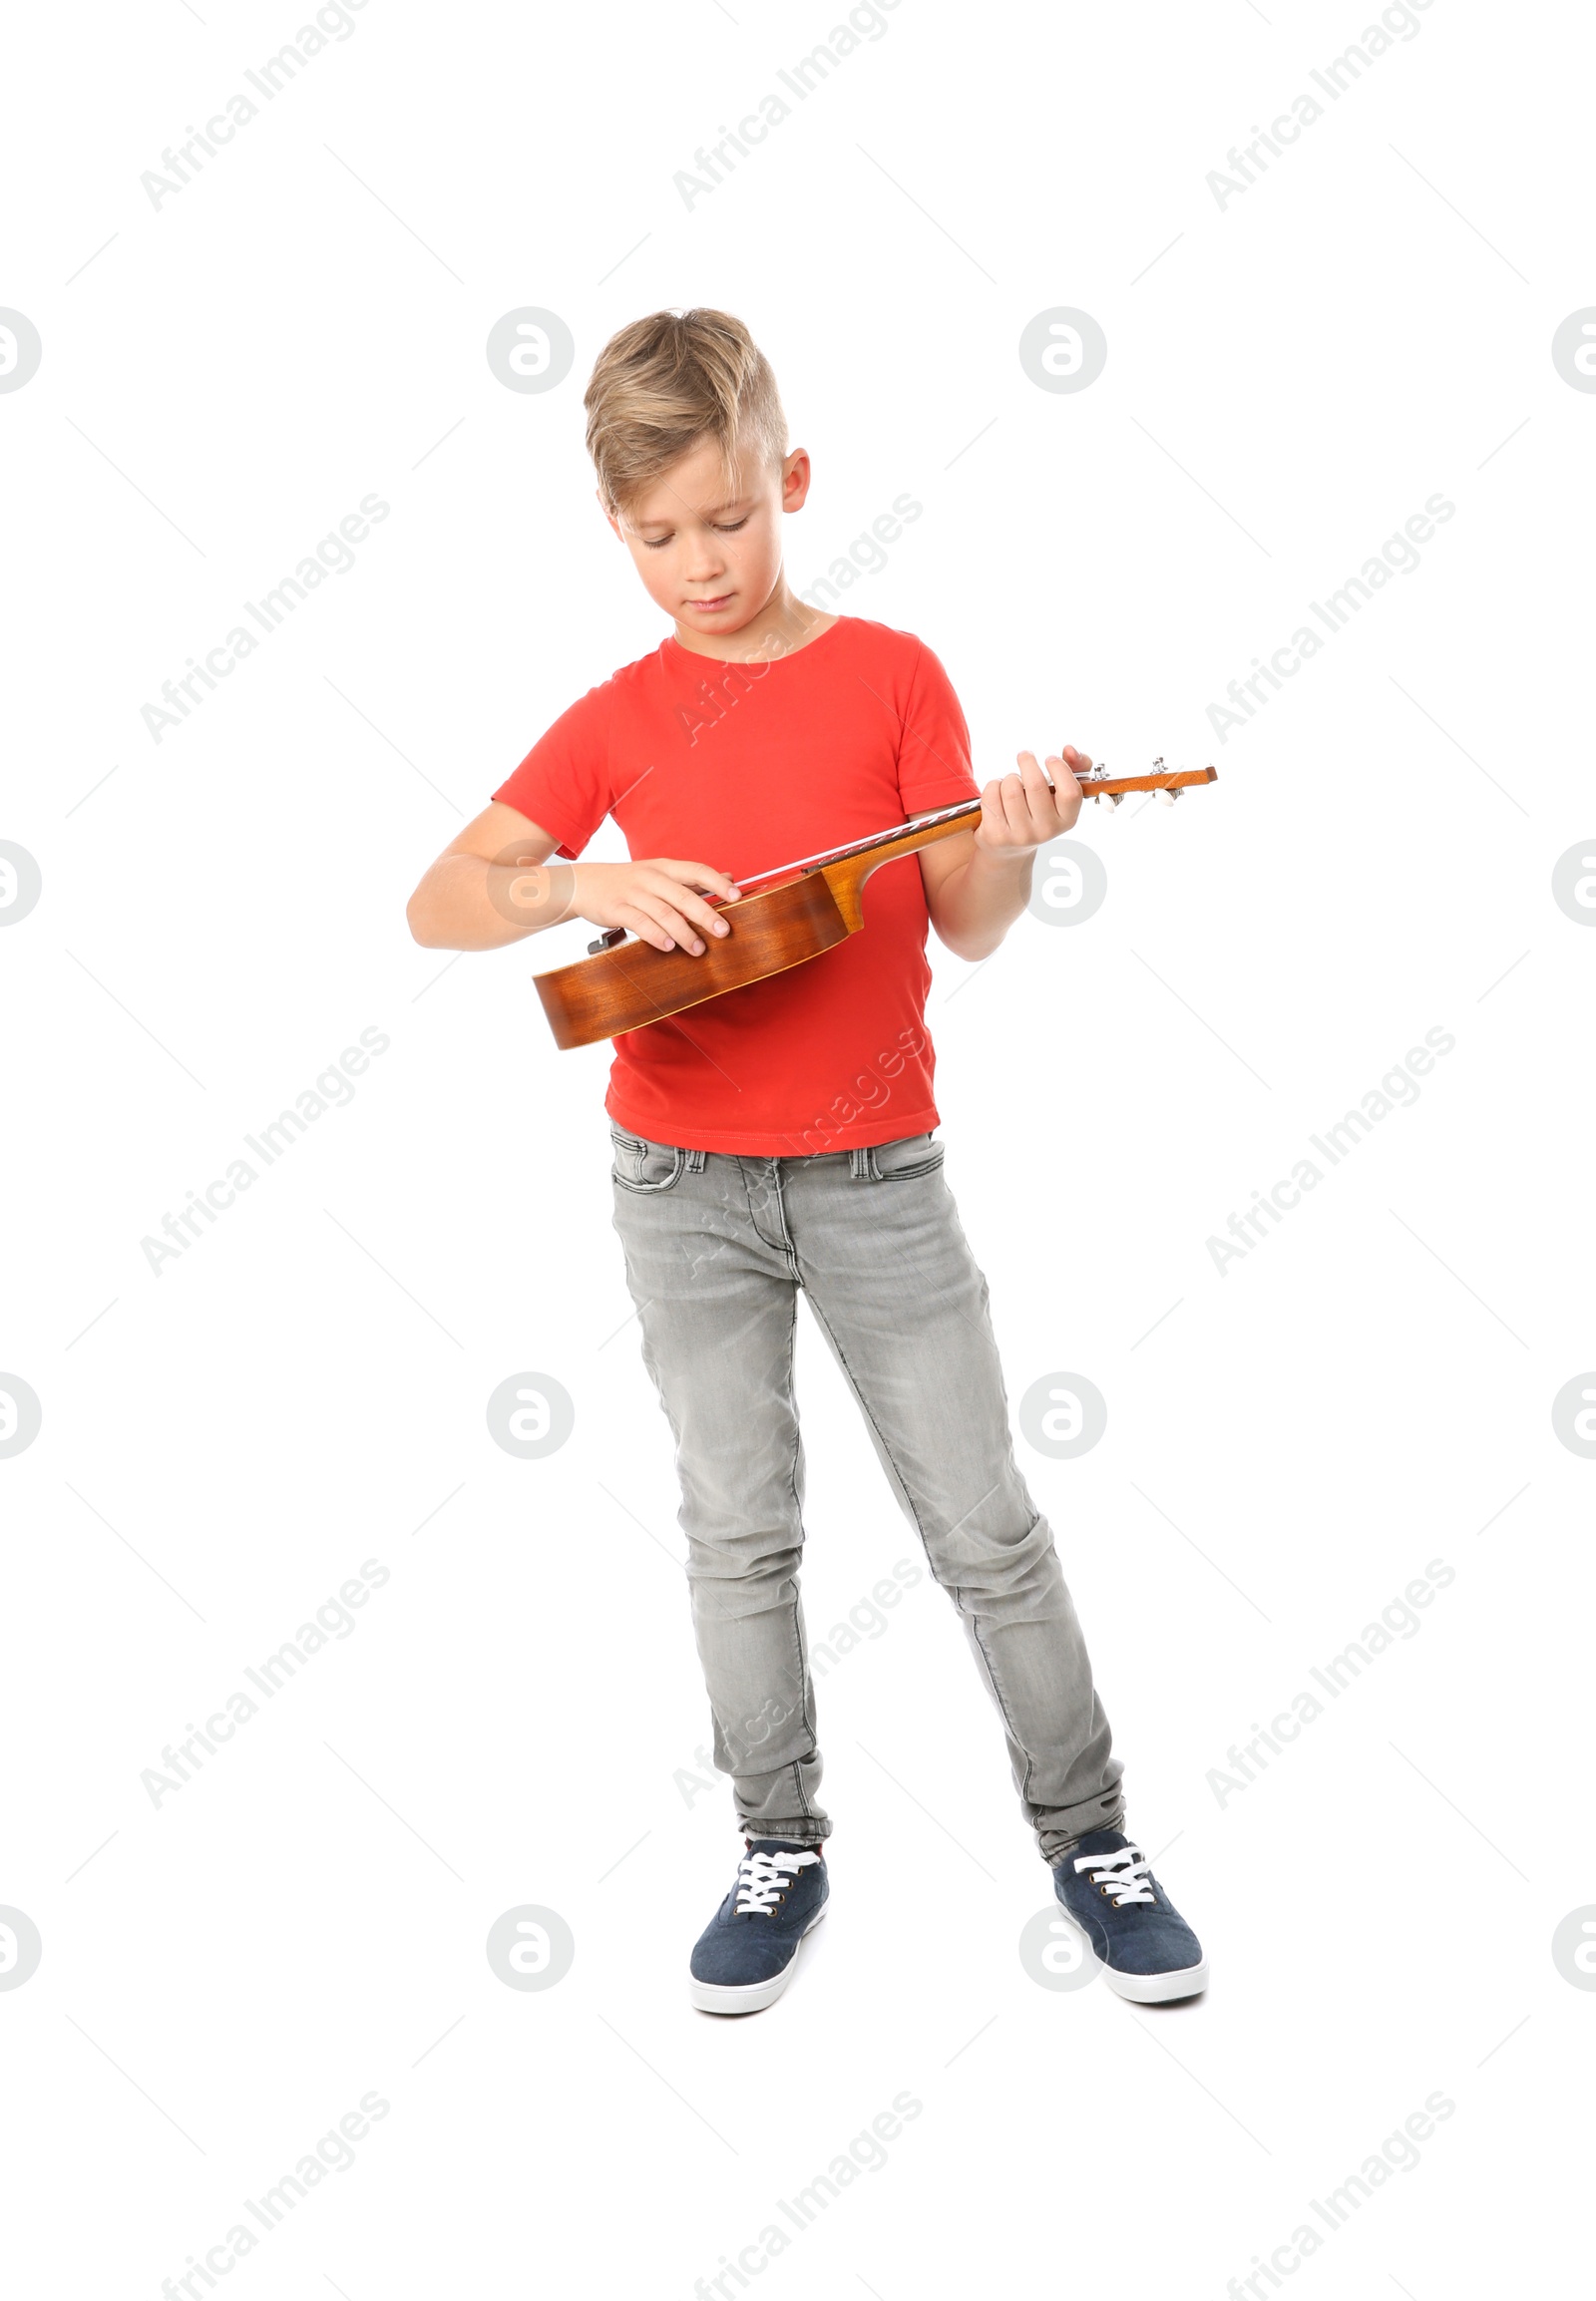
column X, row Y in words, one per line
column 633, row 984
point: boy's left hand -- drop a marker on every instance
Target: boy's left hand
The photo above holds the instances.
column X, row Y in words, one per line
column 1019, row 814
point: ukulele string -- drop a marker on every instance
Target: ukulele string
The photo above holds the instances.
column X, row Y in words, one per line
column 926, row 822
column 858, row 846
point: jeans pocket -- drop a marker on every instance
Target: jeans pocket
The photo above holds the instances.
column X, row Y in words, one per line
column 909, row 1156
column 643, row 1166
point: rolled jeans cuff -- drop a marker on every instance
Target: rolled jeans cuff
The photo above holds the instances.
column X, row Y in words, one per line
column 1053, row 1844
column 811, row 1830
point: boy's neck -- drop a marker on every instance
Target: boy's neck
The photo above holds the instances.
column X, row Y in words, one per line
column 782, row 626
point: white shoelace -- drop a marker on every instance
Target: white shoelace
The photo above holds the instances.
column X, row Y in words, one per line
column 762, row 1880
column 1126, row 1873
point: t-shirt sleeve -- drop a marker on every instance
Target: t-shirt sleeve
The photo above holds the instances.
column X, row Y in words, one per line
column 563, row 783
column 934, row 767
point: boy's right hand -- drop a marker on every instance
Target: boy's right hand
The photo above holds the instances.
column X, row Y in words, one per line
column 654, row 899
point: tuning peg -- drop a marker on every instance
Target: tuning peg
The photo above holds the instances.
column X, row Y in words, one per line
column 1170, row 797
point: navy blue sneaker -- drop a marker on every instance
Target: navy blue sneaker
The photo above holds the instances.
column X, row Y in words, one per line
column 1149, row 1953
column 745, row 1958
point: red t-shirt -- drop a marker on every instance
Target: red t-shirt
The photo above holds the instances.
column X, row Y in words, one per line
column 745, row 767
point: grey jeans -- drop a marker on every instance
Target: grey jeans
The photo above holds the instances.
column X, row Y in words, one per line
column 719, row 1247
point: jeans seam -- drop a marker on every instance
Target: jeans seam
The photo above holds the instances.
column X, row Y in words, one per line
column 804, row 1686
column 783, row 1245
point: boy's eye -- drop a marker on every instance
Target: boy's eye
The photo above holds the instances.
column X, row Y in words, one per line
column 722, row 528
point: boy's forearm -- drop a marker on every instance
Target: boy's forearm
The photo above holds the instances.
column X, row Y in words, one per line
column 976, row 905
column 467, row 903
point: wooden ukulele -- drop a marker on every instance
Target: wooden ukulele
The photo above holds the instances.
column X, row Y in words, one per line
column 625, row 984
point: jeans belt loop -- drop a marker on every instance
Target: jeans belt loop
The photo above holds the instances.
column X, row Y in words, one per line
column 695, row 1161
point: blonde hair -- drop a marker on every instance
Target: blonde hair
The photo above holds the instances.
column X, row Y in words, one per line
column 663, row 384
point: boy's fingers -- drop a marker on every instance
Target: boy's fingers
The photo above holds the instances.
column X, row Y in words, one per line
column 663, row 926
column 1038, row 780
column 702, row 916
column 1066, row 781
column 1040, row 787
column 1002, row 802
column 644, row 926
column 702, row 875
column 679, row 893
column 680, row 930
column 1067, row 796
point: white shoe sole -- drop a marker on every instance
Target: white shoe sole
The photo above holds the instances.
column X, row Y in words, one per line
column 749, row 1997
column 1158, row 1989
column 1146, row 1989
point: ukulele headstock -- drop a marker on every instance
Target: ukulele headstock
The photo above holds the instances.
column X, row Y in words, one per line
column 1168, row 783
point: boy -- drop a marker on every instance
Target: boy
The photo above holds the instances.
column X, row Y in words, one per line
column 781, row 1137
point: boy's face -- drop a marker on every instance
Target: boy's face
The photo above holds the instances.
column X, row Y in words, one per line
column 709, row 552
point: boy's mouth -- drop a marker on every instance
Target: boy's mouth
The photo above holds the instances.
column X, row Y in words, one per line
column 712, row 606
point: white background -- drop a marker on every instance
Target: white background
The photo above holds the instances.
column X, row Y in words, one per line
column 514, row 1719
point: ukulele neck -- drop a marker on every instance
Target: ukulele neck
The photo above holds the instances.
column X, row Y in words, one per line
column 844, row 872
column 845, row 869
column 965, row 810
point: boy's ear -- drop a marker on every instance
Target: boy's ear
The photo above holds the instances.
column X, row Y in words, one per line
column 614, row 523
column 796, row 474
